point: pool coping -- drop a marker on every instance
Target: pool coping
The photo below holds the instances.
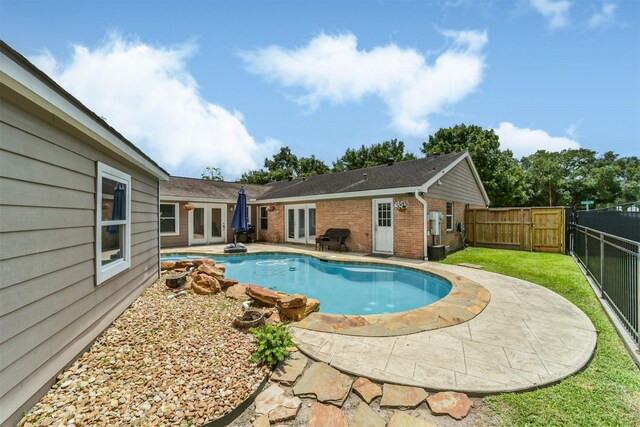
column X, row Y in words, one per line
column 466, row 300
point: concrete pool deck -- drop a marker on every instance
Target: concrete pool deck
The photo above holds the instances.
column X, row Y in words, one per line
column 526, row 337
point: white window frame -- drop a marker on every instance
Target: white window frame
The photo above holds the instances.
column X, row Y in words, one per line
column 106, row 272
column 446, row 221
column 176, row 216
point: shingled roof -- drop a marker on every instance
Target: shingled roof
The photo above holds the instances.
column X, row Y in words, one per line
column 410, row 173
column 199, row 188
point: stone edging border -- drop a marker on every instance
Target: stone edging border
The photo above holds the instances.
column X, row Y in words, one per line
column 466, row 300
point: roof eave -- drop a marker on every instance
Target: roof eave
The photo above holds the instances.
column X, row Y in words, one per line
column 346, row 195
column 22, row 80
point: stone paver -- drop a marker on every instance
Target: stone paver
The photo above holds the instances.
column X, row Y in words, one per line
column 262, row 421
column 325, row 383
column 290, row 369
column 366, row 417
column 366, row 389
column 456, row 405
column 527, row 336
column 400, row 419
column 277, row 404
column 327, row 415
column 398, row 396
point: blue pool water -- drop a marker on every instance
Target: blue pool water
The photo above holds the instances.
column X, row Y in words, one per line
column 340, row 288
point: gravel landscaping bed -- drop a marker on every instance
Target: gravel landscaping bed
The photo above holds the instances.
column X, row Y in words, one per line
column 162, row 362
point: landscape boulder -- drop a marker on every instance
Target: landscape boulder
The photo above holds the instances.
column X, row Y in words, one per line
column 263, row 295
column 292, row 301
column 298, row 313
column 167, row 265
column 203, row 284
column 205, row 261
column 210, row 270
column 225, row 283
column 183, row 264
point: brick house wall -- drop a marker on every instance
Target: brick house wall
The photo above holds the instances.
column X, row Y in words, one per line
column 450, row 238
column 408, row 236
column 275, row 225
column 354, row 214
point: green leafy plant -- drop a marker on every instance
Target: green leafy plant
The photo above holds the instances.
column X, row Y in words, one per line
column 273, row 344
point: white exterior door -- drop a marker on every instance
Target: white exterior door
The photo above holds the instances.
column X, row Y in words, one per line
column 300, row 223
column 383, row 226
column 207, row 224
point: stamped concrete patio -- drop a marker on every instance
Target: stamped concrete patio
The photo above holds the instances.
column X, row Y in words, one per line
column 526, row 337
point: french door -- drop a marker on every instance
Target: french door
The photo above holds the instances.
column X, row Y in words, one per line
column 207, row 224
column 300, row 223
column 383, row 226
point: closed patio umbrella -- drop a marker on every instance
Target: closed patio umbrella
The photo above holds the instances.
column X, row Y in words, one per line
column 240, row 222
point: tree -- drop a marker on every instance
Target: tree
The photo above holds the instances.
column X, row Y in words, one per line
column 374, row 155
column 570, row 176
column 499, row 171
column 212, row 173
column 545, row 177
column 309, row 166
column 630, row 183
column 285, row 165
column 255, row 177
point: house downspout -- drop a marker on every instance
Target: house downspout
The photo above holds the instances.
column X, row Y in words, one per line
column 425, row 222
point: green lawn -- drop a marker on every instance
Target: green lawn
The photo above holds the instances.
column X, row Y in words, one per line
column 607, row 393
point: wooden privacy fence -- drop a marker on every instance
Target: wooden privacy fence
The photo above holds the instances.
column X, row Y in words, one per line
column 537, row 229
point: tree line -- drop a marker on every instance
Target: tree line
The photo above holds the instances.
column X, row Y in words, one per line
column 544, row 178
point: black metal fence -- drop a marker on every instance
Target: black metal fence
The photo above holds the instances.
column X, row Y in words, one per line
column 612, row 261
column 619, row 220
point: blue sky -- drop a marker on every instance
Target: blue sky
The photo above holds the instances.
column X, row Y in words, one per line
column 199, row 83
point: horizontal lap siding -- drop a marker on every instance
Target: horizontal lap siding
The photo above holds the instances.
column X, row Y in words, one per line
column 459, row 184
column 182, row 239
column 50, row 307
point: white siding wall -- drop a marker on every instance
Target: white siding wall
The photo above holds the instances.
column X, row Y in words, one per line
column 50, row 308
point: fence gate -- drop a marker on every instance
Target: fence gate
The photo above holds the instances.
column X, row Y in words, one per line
column 538, row 229
column 548, row 230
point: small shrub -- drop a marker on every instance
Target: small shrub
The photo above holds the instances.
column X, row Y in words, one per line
column 273, row 344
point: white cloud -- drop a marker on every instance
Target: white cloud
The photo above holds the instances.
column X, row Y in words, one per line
column 556, row 12
column 523, row 141
column 603, row 17
column 333, row 69
column 148, row 95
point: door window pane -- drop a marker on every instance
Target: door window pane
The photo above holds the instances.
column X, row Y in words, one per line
column 198, row 223
column 301, row 222
column 312, row 222
column 384, row 214
column 291, row 223
column 216, row 222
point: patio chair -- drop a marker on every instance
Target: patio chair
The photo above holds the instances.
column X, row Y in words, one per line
column 333, row 238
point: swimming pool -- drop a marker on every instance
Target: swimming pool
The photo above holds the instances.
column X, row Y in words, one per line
column 341, row 288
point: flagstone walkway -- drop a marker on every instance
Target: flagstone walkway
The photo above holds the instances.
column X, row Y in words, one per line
column 526, row 337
